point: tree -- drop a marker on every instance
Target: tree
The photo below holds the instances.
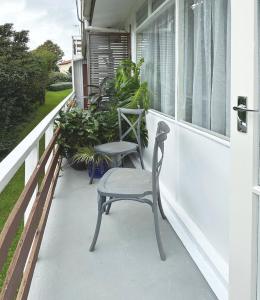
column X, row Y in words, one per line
column 13, row 44
column 47, row 57
column 23, row 79
column 51, row 52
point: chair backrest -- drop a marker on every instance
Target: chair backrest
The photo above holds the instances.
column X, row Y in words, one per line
column 135, row 127
column 161, row 136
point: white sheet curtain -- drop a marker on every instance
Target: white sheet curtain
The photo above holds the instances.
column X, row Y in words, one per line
column 156, row 44
column 207, row 64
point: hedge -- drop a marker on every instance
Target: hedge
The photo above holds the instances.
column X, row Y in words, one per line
column 60, row 86
column 56, row 77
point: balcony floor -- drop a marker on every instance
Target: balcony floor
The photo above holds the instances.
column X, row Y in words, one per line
column 125, row 265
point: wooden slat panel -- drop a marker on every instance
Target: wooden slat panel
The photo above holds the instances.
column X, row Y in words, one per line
column 11, row 226
column 106, row 51
column 31, row 263
column 16, row 268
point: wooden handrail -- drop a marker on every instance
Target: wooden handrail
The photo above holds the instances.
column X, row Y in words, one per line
column 31, row 263
column 12, row 224
column 30, row 240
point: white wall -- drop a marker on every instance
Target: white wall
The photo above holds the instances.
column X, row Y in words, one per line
column 64, row 68
column 195, row 182
column 195, row 188
column 77, row 74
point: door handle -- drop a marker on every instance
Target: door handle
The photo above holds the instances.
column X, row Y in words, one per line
column 242, row 111
column 243, row 108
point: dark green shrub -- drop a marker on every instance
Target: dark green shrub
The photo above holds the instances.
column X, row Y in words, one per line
column 56, row 77
column 78, row 129
column 60, row 86
column 23, row 80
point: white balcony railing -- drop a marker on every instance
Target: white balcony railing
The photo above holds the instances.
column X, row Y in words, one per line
column 33, row 204
column 27, row 150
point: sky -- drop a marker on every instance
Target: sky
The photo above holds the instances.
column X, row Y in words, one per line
column 54, row 20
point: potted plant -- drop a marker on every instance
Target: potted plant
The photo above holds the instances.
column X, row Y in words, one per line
column 81, row 130
column 78, row 128
column 90, row 158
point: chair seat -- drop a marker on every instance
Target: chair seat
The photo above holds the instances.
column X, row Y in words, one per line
column 120, row 182
column 115, row 148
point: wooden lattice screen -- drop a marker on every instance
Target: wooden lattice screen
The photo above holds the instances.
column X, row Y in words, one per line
column 106, row 51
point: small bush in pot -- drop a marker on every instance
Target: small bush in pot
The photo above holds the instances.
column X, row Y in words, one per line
column 78, row 129
column 83, row 129
column 90, row 158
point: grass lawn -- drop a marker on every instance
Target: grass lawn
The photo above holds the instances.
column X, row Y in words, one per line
column 13, row 190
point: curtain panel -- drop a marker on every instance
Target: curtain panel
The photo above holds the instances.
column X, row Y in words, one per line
column 207, row 64
column 156, row 44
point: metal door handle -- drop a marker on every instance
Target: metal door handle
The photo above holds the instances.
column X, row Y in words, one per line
column 242, row 111
column 242, row 108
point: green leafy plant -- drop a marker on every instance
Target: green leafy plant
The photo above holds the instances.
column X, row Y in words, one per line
column 88, row 155
column 125, row 90
column 82, row 130
column 78, row 128
column 128, row 87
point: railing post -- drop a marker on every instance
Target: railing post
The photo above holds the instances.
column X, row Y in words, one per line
column 48, row 137
column 30, row 164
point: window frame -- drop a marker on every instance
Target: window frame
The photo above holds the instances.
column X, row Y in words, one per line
column 179, row 59
column 152, row 15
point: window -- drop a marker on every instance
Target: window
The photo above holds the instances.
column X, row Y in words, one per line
column 156, row 4
column 206, row 65
column 156, row 44
column 142, row 13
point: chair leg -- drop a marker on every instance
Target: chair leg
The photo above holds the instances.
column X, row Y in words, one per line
column 108, row 208
column 93, row 172
column 141, row 159
column 160, row 206
column 101, row 200
column 157, row 231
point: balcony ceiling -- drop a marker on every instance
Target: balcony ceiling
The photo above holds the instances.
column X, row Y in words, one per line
column 111, row 13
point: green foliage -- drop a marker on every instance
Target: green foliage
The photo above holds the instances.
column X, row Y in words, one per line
column 60, row 86
column 47, row 57
column 127, row 90
column 55, row 77
column 127, row 80
column 13, row 190
column 81, row 130
column 13, row 44
column 89, row 155
column 23, row 78
column 78, row 129
column 51, row 52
